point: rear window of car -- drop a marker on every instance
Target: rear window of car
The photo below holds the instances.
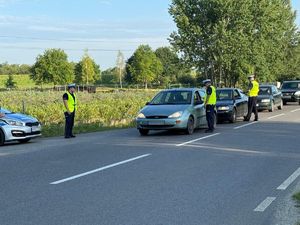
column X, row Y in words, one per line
column 172, row 98
column 264, row 91
column 224, row 95
column 291, row 85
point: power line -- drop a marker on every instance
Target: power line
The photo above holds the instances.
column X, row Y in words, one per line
column 74, row 40
column 68, row 49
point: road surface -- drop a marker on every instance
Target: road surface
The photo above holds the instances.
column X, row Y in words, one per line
column 240, row 175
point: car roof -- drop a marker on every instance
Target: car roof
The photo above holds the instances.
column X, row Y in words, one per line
column 291, row 81
column 266, row 85
column 227, row 89
column 183, row 89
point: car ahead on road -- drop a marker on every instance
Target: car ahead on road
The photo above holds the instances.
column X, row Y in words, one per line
column 231, row 104
column 290, row 91
column 173, row 109
column 268, row 98
column 18, row 127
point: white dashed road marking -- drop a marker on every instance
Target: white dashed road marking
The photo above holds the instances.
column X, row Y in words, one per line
column 273, row 117
column 245, row 125
column 198, row 139
column 265, row 204
column 290, row 180
column 99, row 169
column 296, row 110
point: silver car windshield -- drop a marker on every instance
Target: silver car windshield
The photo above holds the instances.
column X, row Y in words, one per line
column 172, row 98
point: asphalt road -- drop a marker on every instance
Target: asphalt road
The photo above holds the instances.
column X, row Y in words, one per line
column 242, row 175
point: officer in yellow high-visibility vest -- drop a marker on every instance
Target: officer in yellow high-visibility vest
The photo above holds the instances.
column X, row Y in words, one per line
column 253, row 90
column 210, row 105
column 70, row 106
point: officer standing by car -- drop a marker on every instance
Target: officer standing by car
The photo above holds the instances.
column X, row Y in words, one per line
column 70, row 106
column 210, row 104
column 253, row 90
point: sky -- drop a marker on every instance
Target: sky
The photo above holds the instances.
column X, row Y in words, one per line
column 28, row 27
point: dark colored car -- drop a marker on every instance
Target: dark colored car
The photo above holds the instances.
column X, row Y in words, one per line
column 268, row 98
column 231, row 104
column 290, row 91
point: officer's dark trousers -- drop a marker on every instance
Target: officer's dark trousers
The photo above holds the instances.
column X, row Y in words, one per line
column 252, row 108
column 210, row 116
column 69, row 124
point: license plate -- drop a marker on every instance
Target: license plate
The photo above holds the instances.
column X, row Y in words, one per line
column 156, row 123
column 34, row 129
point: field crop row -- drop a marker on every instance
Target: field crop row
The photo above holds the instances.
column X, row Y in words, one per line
column 100, row 110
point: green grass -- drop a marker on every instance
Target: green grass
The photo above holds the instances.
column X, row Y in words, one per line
column 22, row 82
column 297, row 197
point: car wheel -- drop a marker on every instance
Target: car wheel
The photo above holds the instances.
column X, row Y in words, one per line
column 233, row 116
column 284, row 102
column 24, row 140
column 144, row 132
column 190, row 126
column 2, row 138
column 281, row 105
column 272, row 107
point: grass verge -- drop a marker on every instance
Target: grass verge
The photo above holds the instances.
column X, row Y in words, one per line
column 58, row 130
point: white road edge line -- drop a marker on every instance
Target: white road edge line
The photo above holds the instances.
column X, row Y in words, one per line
column 296, row 110
column 265, row 204
column 99, row 169
column 272, row 117
column 198, row 139
column 290, row 180
column 245, row 125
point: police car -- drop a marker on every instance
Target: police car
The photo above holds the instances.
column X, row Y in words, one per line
column 18, row 127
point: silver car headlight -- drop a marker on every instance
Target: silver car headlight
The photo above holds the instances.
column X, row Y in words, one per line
column 15, row 123
column 141, row 116
column 225, row 108
column 176, row 115
column 265, row 100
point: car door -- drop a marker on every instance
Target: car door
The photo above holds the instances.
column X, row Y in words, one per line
column 276, row 95
column 198, row 109
column 244, row 102
column 238, row 102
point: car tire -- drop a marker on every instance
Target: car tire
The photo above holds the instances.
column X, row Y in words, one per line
column 144, row 132
column 190, row 126
column 24, row 140
column 272, row 107
column 233, row 116
column 280, row 107
column 2, row 138
column 284, row 102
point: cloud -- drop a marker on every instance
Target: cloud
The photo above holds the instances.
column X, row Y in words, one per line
column 4, row 3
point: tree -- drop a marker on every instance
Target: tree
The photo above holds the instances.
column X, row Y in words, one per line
column 145, row 66
column 227, row 39
column 52, row 67
column 120, row 65
column 172, row 67
column 109, row 76
column 10, row 82
column 87, row 71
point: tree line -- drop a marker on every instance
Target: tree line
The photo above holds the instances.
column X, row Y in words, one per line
column 225, row 40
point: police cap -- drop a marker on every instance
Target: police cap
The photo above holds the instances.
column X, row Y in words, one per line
column 206, row 81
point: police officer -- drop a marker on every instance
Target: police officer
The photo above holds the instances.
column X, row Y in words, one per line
column 70, row 105
column 253, row 90
column 210, row 104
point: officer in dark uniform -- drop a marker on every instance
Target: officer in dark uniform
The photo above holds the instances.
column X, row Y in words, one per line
column 210, row 104
column 70, row 106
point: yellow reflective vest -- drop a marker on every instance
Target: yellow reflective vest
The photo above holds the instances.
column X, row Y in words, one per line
column 213, row 97
column 253, row 92
column 72, row 104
